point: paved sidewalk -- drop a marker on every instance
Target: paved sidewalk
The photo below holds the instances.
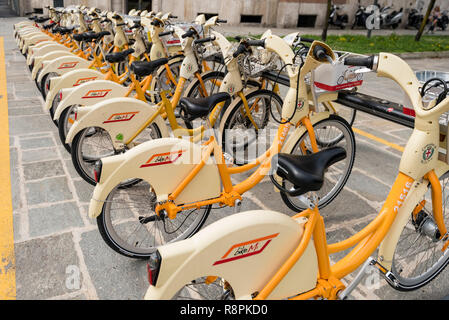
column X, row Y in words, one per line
column 55, row 240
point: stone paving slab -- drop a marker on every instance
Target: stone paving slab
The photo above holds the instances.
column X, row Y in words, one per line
column 55, row 240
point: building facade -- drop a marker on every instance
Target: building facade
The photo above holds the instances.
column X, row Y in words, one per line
column 268, row 13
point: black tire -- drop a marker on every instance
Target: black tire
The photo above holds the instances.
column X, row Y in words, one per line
column 84, row 161
column 238, row 128
column 44, row 81
column 415, row 246
column 142, row 204
column 54, row 106
column 63, row 128
column 326, row 195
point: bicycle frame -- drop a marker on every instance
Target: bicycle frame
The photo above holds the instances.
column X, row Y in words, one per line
column 416, row 171
column 174, row 200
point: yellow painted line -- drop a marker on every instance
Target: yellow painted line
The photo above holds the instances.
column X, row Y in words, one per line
column 7, row 258
column 377, row 139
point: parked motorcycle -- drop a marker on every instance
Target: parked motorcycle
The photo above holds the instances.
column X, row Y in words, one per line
column 390, row 19
column 338, row 20
column 360, row 17
column 415, row 19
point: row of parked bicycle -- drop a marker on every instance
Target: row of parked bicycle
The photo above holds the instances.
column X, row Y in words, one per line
column 160, row 126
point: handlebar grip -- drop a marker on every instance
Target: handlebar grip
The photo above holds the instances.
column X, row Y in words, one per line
column 174, row 17
column 189, row 33
column 306, row 39
column 319, row 52
column 222, row 21
column 360, row 61
column 241, row 49
column 256, row 43
column 208, row 39
column 166, row 33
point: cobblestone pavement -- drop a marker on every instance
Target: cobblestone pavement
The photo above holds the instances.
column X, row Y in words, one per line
column 54, row 238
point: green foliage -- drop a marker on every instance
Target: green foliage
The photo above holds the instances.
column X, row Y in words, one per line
column 393, row 43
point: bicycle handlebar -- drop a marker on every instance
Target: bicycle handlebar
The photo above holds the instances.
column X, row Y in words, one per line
column 166, row 33
column 189, row 34
column 361, row 61
column 208, row 39
column 221, row 21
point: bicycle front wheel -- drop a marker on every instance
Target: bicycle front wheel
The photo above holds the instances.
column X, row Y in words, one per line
column 129, row 225
column 336, row 176
column 247, row 136
column 418, row 257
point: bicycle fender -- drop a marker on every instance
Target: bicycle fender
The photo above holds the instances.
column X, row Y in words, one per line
column 120, row 117
column 70, row 80
column 245, row 249
column 63, row 65
column 27, row 36
column 89, row 94
column 34, row 40
column 164, row 163
column 38, row 60
column 38, row 46
column 47, row 47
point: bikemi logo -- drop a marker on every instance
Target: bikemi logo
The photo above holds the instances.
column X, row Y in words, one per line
column 96, row 94
column 428, row 152
column 67, row 65
column 163, row 158
column 246, row 249
column 83, row 80
column 120, row 117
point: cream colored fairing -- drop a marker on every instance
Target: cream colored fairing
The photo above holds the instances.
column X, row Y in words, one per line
column 98, row 91
column 142, row 162
column 33, row 40
column 71, row 79
column 44, row 49
column 270, row 238
column 63, row 65
column 52, row 55
column 120, row 117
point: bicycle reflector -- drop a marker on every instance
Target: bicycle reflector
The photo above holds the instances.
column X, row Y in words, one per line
column 97, row 170
column 153, row 266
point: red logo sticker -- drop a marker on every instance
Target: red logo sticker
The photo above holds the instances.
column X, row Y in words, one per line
column 83, row 80
column 120, row 117
column 96, row 93
column 246, row 249
column 67, row 65
column 163, row 158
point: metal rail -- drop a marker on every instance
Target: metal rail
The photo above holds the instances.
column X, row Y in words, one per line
column 362, row 102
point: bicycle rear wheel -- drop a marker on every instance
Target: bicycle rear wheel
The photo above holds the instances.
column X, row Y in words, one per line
column 418, row 257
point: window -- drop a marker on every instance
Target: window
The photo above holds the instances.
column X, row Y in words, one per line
column 58, row 3
column 306, row 20
column 247, row 18
column 139, row 5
